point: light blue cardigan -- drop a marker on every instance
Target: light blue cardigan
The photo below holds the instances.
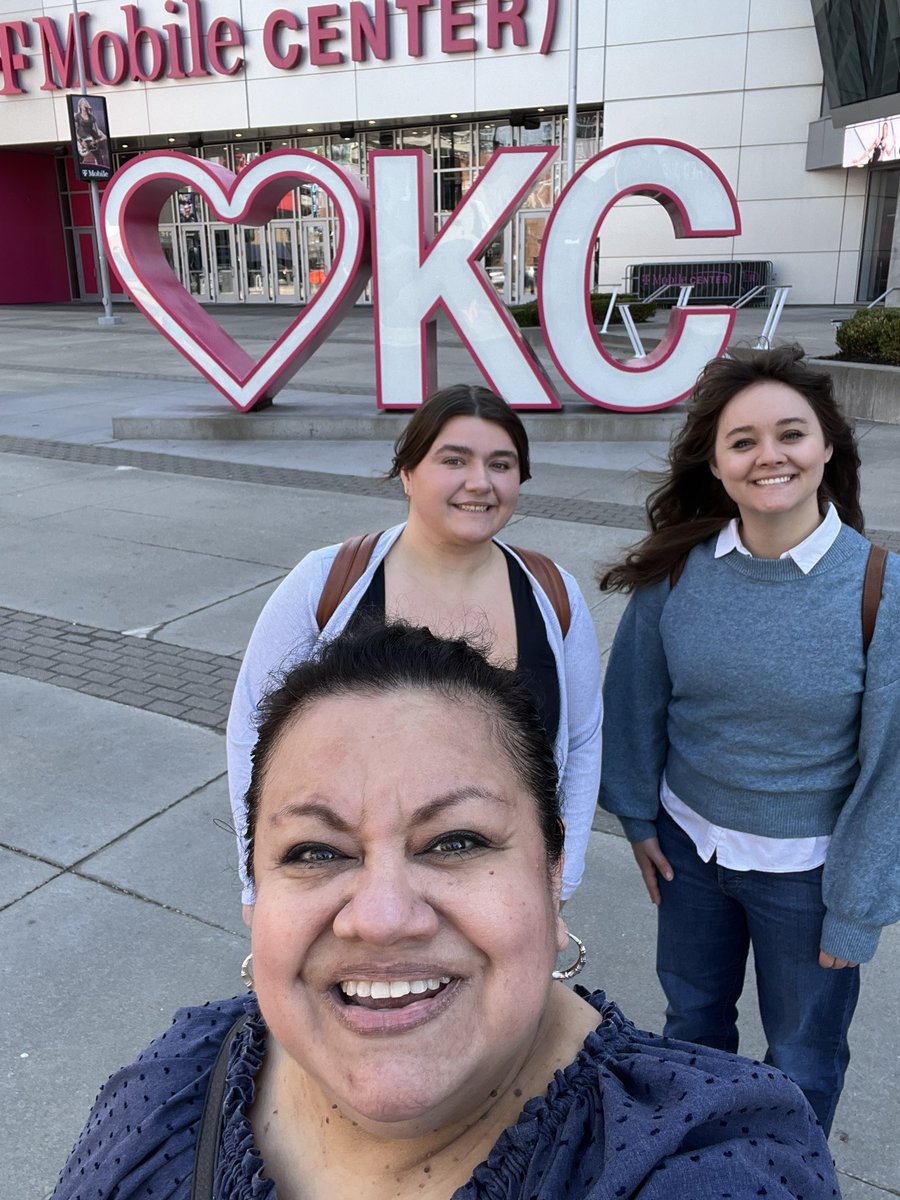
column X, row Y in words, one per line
column 287, row 631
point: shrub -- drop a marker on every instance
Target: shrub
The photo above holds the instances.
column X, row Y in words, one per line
column 871, row 335
column 526, row 315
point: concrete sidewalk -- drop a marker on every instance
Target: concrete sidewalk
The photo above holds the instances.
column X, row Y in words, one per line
column 132, row 574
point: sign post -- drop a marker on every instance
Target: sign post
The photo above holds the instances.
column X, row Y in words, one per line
column 93, row 161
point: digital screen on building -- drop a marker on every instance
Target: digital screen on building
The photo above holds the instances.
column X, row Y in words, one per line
column 90, row 138
column 871, row 142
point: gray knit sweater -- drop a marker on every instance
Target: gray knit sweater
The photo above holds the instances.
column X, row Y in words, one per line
column 747, row 684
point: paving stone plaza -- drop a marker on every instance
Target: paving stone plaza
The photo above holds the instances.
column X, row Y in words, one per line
column 132, row 571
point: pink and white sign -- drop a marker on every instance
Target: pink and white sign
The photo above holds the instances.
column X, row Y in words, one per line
column 417, row 273
column 131, row 207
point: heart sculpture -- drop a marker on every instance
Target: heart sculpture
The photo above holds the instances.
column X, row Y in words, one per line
column 130, row 218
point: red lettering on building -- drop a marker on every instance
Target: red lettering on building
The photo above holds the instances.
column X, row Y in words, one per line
column 291, row 57
column 509, row 13
column 61, row 64
column 224, row 34
column 140, row 38
column 12, row 61
column 413, row 10
column 106, row 47
column 368, row 32
column 321, row 34
column 451, row 20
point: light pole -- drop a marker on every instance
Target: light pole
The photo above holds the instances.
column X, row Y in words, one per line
column 107, row 320
column 573, row 89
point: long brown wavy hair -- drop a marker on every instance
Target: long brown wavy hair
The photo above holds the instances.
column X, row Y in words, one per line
column 691, row 505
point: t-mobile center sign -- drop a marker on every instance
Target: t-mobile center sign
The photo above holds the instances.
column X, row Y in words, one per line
column 389, row 237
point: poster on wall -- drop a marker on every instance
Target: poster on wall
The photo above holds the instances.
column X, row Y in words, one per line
column 90, row 138
column 871, row 142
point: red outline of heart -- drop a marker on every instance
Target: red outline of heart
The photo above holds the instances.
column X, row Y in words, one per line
column 132, row 204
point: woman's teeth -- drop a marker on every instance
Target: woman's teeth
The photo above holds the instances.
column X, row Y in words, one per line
column 393, row 989
column 775, row 479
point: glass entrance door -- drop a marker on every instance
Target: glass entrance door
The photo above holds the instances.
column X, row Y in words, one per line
column 316, row 248
column 195, row 261
column 878, row 235
column 284, row 255
column 530, row 228
column 254, row 268
column 225, row 279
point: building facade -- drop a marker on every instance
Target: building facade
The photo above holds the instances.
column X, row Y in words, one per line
column 763, row 87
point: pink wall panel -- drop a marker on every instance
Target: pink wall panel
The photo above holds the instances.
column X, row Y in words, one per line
column 32, row 249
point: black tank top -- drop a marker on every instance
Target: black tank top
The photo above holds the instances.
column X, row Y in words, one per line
column 536, row 665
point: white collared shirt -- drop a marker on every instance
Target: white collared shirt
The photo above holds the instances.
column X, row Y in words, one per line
column 750, row 851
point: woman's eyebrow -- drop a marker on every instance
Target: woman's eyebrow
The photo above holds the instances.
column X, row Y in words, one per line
column 322, row 811
column 448, row 446
column 780, row 421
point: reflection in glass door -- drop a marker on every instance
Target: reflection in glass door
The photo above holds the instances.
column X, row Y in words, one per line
column 167, row 241
column 878, row 235
column 256, row 284
column 530, row 228
column 225, row 279
column 283, row 255
column 195, row 260
column 316, row 255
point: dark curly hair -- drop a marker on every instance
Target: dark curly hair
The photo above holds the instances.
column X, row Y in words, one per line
column 691, row 505
column 375, row 659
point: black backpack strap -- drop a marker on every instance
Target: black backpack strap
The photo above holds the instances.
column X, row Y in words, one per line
column 210, row 1132
column 873, row 583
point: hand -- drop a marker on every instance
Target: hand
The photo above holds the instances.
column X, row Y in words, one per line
column 834, row 964
column 651, row 861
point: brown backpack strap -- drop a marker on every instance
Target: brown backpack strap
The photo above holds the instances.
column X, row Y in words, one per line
column 349, row 565
column 546, row 572
column 871, row 594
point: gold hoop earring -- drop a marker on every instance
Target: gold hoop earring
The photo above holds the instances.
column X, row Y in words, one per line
column 247, row 972
column 578, row 965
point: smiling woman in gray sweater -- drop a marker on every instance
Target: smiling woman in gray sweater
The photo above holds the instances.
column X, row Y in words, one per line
column 751, row 745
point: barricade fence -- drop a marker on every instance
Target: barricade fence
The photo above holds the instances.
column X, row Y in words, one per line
column 726, row 282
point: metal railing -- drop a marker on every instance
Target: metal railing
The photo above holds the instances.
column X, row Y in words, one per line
column 884, row 295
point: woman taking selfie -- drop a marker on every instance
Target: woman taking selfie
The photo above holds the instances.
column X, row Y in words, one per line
column 408, row 1036
column 752, row 750
column 461, row 461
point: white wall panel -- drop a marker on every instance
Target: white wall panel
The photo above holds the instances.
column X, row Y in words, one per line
column 847, row 273
column 444, row 88
column 501, row 83
column 854, row 215
column 701, row 121
column 776, row 226
column 776, row 115
column 644, row 20
column 289, row 100
column 186, row 106
column 32, row 122
column 768, row 171
column 675, row 68
column 775, row 59
column 780, row 14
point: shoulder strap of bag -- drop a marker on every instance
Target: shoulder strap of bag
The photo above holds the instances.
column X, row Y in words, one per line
column 873, row 584
column 210, row 1132
column 349, row 565
column 546, row 572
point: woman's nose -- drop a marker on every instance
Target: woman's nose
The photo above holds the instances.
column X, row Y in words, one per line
column 770, row 450
column 477, row 477
column 385, row 906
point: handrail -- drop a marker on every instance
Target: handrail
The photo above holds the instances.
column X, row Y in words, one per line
column 884, row 295
column 764, row 341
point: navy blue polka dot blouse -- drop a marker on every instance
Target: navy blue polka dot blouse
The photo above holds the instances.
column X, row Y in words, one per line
column 634, row 1114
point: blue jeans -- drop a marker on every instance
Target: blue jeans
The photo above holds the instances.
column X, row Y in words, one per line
column 708, row 919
